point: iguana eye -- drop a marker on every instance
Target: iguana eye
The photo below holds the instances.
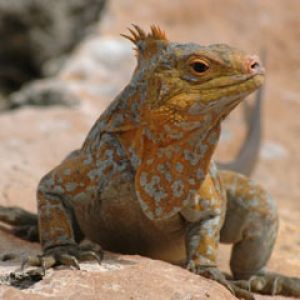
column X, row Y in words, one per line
column 199, row 67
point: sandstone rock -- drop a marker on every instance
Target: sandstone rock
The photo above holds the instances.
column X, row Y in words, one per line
column 43, row 93
column 86, row 72
column 121, row 278
column 118, row 277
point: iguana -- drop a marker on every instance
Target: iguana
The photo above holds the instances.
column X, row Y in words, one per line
column 144, row 181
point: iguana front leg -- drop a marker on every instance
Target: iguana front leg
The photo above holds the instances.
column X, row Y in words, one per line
column 205, row 217
column 58, row 228
column 68, row 194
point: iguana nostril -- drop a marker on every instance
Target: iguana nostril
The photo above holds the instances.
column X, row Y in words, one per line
column 255, row 65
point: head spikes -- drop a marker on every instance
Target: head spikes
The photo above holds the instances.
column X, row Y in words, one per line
column 147, row 44
column 157, row 33
column 138, row 34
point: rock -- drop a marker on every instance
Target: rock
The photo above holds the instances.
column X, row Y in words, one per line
column 87, row 71
column 33, row 32
column 4, row 104
column 99, row 66
column 118, row 277
column 43, row 93
column 121, row 278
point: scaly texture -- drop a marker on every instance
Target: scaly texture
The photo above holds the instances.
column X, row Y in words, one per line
column 144, row 180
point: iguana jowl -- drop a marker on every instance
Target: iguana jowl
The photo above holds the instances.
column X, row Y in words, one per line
column 144, row 180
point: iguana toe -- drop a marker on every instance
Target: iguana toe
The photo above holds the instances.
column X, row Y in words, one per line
column 272, row 284
column 67, row 255
column 241, row 292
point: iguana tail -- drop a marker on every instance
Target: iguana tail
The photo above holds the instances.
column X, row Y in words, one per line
column 24, row 223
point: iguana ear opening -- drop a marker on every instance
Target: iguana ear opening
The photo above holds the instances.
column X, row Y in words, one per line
column 147, row 44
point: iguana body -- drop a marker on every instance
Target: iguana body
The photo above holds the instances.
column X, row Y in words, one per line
column 144, row 181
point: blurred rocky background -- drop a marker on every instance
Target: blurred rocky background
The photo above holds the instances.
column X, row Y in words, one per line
column 37, row 35
column 62, row 62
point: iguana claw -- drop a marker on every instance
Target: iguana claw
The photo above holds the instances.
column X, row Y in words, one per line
column 272, row 284
column 240, row 291
column 67, row 255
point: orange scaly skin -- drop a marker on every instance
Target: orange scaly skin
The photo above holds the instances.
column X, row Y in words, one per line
column 144, row 180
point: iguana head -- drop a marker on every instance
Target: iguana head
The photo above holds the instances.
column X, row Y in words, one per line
column 185, row 81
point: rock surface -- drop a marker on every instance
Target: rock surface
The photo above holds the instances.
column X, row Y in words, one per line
column 119, row 277
column 44, row 92
column 33, row 140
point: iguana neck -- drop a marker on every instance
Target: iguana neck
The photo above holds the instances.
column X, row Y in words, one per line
column 153, row 139
column 145, row 132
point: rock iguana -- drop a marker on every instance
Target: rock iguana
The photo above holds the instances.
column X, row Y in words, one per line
column 144, row 181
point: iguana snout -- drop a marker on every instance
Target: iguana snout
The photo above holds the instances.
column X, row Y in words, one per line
column 253, row 65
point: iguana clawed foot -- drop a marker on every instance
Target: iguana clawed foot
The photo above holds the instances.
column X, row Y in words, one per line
column 67, row 255
column 265, row 283
column 272, row 284
column 240, row 291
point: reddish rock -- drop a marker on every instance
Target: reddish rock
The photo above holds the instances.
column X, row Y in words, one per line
column 124, row 277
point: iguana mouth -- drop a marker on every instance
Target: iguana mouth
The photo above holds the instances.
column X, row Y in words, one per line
column 231, row 81
column 253, row 82
column 256, row 79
